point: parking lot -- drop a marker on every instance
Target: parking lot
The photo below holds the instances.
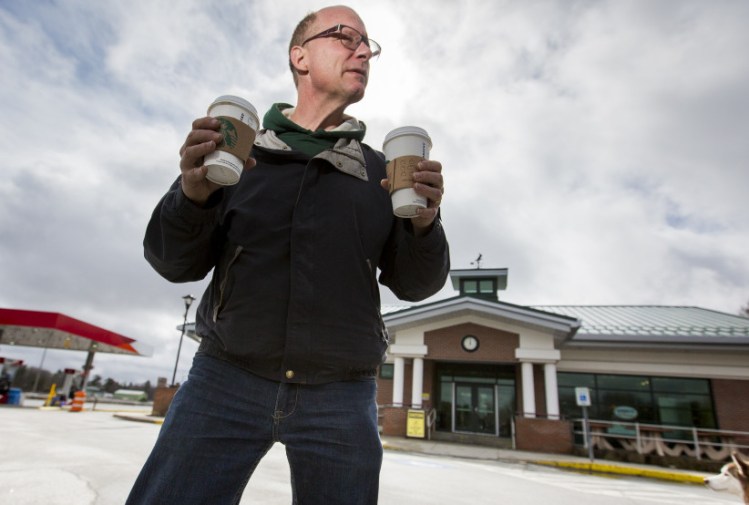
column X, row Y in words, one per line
column 52, row 457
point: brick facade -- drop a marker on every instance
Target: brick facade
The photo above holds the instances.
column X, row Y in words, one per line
column 543, row 435
column 494, row 345
column 498, row 347
column 384, row 391
column 392, row 420
column 539, row 387
column 731, row 399
column 162, row 398
column 444, row 344
column 430, row 388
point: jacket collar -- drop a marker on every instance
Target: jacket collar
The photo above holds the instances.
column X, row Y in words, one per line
column 346, row 155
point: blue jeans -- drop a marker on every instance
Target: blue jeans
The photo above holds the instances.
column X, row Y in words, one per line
column 223, row 420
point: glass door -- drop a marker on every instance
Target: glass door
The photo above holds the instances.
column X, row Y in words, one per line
column 475, row 408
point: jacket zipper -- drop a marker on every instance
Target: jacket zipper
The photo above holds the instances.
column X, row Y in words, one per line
column 384, row 335
column 222, row 286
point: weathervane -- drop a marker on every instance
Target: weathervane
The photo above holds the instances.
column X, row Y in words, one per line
column 477, row 262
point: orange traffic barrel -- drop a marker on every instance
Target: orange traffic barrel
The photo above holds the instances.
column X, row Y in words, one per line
column 78, row 400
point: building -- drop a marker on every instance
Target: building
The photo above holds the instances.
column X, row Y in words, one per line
column 133, row 395
column 491, row 372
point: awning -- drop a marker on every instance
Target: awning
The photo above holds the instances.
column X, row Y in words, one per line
column 52, row 330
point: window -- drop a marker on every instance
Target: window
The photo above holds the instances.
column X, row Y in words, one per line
column 486, row 287
column 470, row 286
column 680, row 385
column 387, row 370
column 483, row 288
column 652, row 400
column 623, row 382
column 576, row 380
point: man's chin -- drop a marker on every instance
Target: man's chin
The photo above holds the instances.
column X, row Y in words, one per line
column 356, row 95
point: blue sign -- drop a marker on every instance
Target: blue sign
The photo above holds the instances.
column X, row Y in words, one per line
column 582, row 397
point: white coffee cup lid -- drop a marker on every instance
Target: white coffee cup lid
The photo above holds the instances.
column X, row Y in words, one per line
column 235, row 100
column 408, row 130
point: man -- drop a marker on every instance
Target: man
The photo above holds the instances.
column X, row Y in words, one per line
column 291, row 328
column 5, row 384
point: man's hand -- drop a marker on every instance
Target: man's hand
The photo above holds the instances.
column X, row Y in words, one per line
column 429, row 183
column 202, row 140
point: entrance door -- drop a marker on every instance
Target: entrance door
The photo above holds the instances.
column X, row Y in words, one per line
column 475, row 408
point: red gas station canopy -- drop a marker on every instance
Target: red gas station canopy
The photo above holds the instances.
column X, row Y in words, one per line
column 52, row 330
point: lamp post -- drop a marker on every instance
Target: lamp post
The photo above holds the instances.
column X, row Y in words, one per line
column 39, row 370
column 188, row 301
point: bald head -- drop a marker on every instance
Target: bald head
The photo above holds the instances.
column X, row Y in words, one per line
column 336, row 10
column 315, row 22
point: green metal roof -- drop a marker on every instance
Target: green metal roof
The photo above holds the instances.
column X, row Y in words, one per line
column 654, row 321
column 630, row 324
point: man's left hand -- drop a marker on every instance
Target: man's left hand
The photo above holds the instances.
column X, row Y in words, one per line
column 428, row 182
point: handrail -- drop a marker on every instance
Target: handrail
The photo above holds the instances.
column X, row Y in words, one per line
column 431, row 419
column 647, row 438
column 665, row 427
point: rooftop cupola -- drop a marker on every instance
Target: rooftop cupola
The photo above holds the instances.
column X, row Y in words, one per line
column 480, row 282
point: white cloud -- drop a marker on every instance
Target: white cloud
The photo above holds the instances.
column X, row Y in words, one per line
column 596, row 149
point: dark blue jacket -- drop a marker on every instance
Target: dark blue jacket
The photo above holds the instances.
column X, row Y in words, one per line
column 294, row 248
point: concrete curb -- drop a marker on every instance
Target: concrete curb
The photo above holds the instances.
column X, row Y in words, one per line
column 391, row 447
column 608, row 468
column 598, row 467
column 142, row 418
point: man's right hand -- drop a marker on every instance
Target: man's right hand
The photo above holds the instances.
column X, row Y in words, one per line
column 202, row 140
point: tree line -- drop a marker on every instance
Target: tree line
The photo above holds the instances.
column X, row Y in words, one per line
column 34, row 379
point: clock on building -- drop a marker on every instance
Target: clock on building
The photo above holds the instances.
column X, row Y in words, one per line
column 469, row 343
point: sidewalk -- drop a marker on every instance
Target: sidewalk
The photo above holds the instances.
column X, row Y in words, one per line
column 563, row 461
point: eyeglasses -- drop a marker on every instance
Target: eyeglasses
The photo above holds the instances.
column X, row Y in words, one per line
column 349, row 37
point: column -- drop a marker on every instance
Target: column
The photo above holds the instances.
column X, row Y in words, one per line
column 529, row 393
column 398, row 373
column 417, row 382
column 552, row 391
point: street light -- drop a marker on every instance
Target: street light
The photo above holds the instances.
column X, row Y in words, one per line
column 188, row 301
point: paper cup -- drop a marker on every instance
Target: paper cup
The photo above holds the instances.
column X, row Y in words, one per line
column 239, row 125
column 404, row 147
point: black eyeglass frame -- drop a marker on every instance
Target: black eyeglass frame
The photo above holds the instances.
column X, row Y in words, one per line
column 338, row 29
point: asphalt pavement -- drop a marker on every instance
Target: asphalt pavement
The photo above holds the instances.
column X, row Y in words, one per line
column 451, row 449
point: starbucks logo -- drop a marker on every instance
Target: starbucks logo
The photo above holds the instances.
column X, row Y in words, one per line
column 231, row 137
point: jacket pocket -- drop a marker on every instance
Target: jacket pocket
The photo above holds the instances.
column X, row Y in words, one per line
column 383, row 331
column 224, row 281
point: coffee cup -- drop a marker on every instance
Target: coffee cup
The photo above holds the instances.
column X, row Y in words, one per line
column 239, row 125
column 404, row 148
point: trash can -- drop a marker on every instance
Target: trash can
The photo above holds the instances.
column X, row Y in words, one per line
column 14, row 396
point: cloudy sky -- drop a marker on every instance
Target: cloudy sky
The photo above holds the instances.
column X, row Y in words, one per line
column 596, row 149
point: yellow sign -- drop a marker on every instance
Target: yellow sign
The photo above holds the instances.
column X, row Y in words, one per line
column 415, row 426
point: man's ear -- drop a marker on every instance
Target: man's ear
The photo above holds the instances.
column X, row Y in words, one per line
column 298, row 58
